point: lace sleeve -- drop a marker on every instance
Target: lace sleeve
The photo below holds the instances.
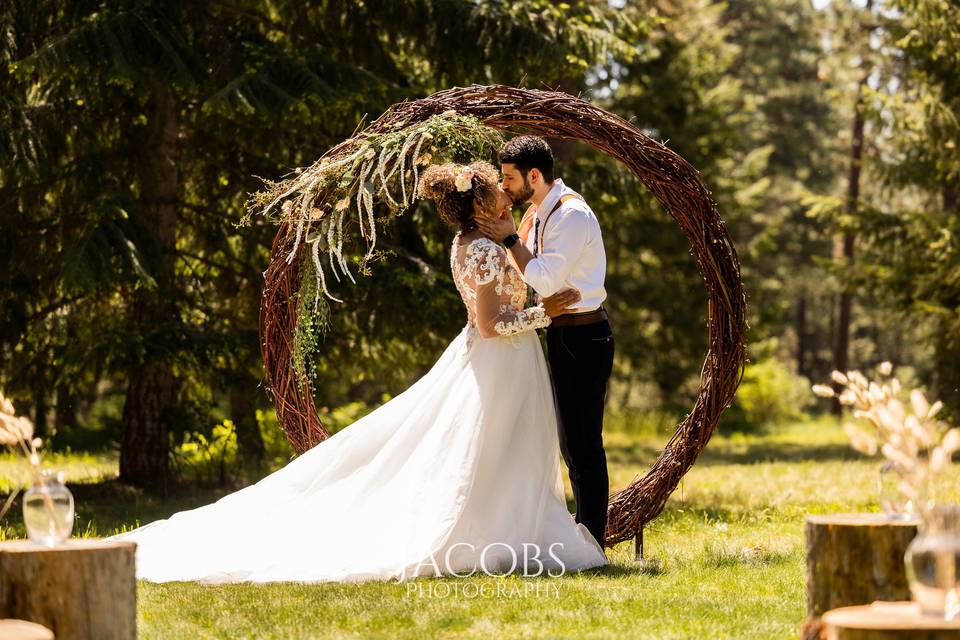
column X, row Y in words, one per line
column 494, row 315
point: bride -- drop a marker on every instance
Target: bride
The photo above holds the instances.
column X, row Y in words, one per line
column 457, row 475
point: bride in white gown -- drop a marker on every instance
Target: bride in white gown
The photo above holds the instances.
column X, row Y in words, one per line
column 458, row 474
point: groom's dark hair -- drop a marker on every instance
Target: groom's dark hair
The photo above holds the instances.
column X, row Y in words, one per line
column 529, row 152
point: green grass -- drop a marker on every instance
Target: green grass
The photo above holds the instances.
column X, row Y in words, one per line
column 725, row 560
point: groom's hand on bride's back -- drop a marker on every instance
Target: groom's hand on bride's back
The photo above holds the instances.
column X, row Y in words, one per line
column 560, row 302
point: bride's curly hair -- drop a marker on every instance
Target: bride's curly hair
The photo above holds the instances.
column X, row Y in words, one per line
column 438, row 183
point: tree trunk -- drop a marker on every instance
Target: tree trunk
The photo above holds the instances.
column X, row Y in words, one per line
column 153, row 387
column 147, row 415
column 83, row 590
column 66, row 417
column 40, row 412
column 886, row 621
column 855, row 559
column 951, row 199
column 844, row 244
column 243, row 412
column 13, row 629
column 803, row 345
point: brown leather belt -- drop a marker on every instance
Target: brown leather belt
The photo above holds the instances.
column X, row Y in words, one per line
column 575, row 319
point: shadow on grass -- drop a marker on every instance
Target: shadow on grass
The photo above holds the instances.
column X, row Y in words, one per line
column 643, row 454
column 629, row 569
column 103, row 508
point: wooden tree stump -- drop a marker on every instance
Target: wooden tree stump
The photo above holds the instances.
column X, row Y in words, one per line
column 855, row 559
column 886, row 621
column 83, row 589
column 24, row 630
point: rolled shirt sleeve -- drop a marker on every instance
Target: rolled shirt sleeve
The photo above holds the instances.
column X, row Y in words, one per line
column 564, row 238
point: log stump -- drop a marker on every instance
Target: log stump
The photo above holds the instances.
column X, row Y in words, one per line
column 83, row 589
column 855, row 559
column 886, row 621
column 24, row 630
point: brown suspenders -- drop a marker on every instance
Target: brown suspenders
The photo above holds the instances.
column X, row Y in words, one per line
column 538, row 240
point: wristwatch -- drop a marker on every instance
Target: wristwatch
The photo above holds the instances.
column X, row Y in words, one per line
column 510, row 240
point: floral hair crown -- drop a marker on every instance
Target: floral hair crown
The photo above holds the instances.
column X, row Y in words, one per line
column 464, row 179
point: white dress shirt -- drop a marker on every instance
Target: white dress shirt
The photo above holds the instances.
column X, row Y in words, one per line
column 572, row 255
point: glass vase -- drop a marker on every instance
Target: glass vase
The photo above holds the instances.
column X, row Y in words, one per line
column 932, row 562
column 48, row 509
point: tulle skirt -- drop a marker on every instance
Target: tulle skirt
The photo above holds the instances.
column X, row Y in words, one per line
column 459, row 474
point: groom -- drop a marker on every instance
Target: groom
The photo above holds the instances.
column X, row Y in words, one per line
column 558, row 247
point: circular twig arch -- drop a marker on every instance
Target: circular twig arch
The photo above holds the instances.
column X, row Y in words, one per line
column 670, row 178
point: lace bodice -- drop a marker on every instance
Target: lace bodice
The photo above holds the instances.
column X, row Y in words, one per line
column 492, row 290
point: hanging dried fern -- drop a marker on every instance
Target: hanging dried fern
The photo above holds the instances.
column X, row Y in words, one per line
column 350, row 182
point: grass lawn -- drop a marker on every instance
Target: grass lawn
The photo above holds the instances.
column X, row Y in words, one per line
column 725, row 560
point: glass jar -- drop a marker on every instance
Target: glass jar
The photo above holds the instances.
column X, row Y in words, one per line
column 894, row 503
column 932, row 560
column 48, row 509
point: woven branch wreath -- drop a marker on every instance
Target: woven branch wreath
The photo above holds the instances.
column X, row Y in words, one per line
column 671, row 179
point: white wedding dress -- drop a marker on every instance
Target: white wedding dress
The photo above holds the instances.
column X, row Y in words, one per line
column 459, row 473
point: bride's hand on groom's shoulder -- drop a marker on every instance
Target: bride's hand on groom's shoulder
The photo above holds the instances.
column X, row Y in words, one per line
column 560, row 302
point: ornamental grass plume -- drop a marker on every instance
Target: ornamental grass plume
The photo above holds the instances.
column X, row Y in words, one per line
column 919, row 446
column 16, row 432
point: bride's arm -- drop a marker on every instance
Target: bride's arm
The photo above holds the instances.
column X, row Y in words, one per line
column 492, row 317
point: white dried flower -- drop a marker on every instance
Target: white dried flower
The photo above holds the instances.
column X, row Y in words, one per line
column 26, row 428
column 896, row 409
column 823, row 391
column 858, row 378
column 951, row 441
column 913, row 441
column 8, row 422
column 7, row 438
column 934, row 409
column 837, row 376
column 860, row 441
column 848, row 396
column 908, row 490
column 939, row 460
column 342, row 204
column 464, row 179
column 897, row 456
column 5, row 405
column 919, row 403
column 917, row 431
column 34, row 459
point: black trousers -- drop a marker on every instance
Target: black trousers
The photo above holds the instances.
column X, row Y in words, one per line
column 581, row 360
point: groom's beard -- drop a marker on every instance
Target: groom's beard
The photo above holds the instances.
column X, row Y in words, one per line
column 524, row 196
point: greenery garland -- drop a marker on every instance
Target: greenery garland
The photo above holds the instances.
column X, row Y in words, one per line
column 368, row 179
